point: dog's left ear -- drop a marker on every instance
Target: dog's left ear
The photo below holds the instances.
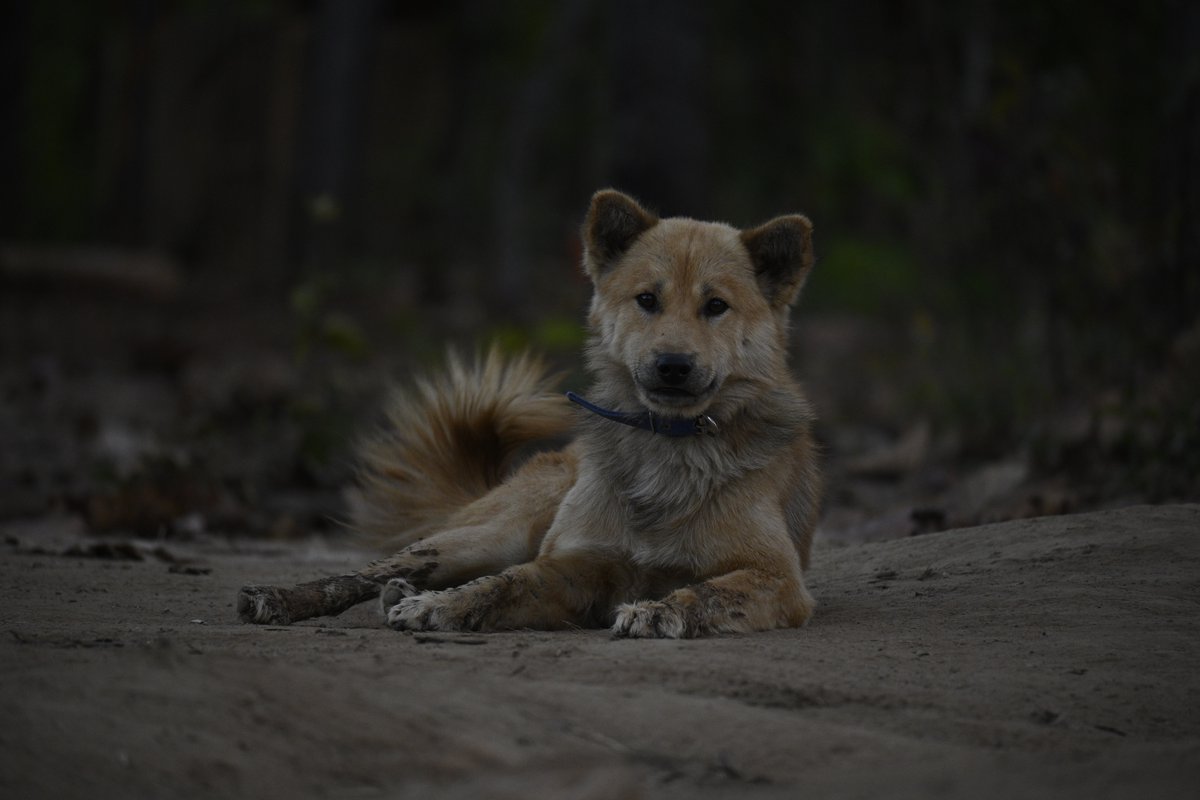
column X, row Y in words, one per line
column 782, row 253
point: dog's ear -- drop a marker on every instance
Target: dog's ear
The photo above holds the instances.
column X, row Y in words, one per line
column 614, row 221
column 782, row 253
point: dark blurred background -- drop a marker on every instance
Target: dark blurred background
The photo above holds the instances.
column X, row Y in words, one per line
column 225, row 226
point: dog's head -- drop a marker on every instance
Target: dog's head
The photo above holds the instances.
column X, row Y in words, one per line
column 689, row 316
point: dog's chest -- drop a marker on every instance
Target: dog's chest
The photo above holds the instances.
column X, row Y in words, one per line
column 667, row 488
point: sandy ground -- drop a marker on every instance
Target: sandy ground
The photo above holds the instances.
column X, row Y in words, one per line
column 1053, row 657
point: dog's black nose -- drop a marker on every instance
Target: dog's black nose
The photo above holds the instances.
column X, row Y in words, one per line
column 673, row 368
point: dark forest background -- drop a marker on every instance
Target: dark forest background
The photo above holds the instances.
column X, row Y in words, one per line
column 225, row 226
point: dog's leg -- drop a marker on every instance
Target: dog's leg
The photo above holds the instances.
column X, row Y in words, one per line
column 445, row 559
column 283, row 605
column 560, row 591
column 502, row 528
column 740, row 601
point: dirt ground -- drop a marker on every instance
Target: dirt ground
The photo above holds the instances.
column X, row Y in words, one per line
column 1050, row 657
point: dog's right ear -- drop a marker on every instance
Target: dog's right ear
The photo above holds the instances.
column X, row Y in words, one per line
column 614, row 221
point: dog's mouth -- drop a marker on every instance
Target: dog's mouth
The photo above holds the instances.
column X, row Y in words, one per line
column 670, row 392
column 677, row 398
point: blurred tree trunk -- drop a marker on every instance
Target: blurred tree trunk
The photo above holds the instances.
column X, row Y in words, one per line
column 444, row 210
column 531, row 113
column 14, row 59
column 331, row 130
column 122, row 209
column 660, row 137
column 1181, row 171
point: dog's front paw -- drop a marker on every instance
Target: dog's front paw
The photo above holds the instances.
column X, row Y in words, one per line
column 429, row 611
column 650, row 619
column 395, row 590
column 263, row 605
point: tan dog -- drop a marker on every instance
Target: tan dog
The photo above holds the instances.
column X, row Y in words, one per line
column 686, row 503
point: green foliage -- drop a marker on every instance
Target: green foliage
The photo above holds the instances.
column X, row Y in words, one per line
column 318, row 326
column 324, row 428
column 56, row 135
column 856, row 275
column 853, row 153
column 342, row 333
column 552, row 335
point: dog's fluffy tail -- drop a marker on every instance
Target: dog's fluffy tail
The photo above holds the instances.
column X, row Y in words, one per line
column 451, row 439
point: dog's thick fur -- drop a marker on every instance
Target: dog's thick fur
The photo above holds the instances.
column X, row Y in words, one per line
column 653, row 536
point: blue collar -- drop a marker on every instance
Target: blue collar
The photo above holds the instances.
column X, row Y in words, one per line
column 674, row 427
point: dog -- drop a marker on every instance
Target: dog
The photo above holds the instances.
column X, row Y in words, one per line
column 684, row 505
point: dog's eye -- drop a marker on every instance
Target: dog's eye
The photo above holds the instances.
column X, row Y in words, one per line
column 715, row 307
column 648, row 301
